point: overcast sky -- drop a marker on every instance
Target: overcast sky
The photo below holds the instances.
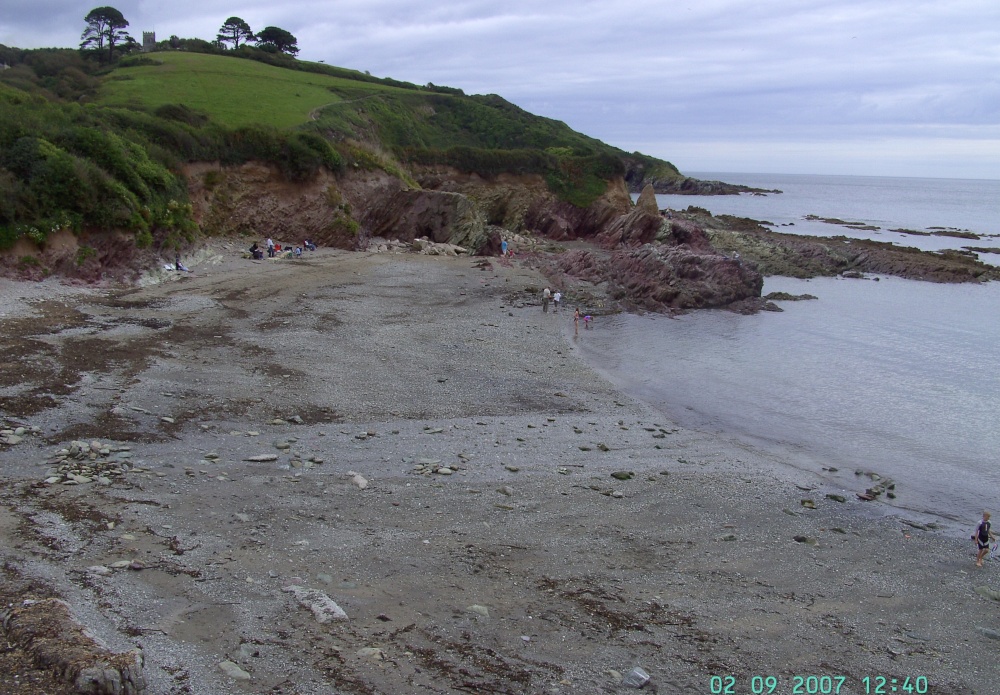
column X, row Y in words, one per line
column 871, row 87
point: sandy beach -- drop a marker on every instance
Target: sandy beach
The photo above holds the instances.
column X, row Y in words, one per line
column 412, row 441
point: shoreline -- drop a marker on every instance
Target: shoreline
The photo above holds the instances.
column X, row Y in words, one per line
column 527, row 567
column 771, row 405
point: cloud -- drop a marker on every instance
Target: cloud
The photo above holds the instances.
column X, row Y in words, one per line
column 664, row 78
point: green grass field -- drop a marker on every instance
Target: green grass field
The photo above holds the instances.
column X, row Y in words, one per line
column 232, row 92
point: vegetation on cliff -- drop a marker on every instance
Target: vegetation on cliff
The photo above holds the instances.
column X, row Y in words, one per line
column 84, row 145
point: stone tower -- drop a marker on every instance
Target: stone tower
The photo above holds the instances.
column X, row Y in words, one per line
column 148, row 41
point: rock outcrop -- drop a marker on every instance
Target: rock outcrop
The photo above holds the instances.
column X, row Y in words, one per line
column 656, row 277
column 794, row 255
column 48, row 631
column 647, row 200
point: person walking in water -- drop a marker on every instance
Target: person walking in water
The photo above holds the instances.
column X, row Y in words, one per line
column 983, row 535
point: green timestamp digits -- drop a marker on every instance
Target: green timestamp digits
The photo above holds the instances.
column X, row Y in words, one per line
column 882, row 685
column 769, row 685
column 815, row 685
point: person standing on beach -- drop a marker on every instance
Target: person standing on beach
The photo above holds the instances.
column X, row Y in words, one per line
column 576, row 321
column 270, row 247
column 983, row 535
column 546, row 296
column 556, row 298
column 503, row 247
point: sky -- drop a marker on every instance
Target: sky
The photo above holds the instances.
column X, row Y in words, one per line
column 859, row 87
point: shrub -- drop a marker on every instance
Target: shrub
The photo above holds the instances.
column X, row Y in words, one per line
column 180, row 112
column 212, row 178
column 83, row 253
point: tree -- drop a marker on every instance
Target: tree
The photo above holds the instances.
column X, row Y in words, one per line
column 277, row 39
column 235, row 30
column 105, row 27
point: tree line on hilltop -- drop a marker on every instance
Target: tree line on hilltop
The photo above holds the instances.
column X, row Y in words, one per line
column 106, row 37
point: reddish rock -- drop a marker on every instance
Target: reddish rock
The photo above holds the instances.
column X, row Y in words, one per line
column 665, row 278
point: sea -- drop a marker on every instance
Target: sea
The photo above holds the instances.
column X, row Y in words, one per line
column 885, row 375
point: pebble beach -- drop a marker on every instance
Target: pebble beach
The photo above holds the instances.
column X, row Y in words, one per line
column 394, row 473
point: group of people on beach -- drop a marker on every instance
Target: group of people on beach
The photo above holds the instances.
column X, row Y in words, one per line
column 549, row 296
column 556, row 299
column 257, row 253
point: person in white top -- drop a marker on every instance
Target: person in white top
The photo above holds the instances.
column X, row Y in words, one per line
column 556, row 298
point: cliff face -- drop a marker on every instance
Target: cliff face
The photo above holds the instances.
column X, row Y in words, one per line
column 525, row 203
column 643, row 259
column 345, row 211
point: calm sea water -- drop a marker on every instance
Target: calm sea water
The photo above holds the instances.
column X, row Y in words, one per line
column 896, row 376
column 887, row 203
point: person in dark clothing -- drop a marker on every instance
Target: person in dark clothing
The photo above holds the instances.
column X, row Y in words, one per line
column 983, row 535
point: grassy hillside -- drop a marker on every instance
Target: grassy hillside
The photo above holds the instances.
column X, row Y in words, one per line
column 87, row 146
column 233, row 93
column 236, row 93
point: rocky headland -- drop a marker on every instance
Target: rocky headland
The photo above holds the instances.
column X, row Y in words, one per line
column 791, row 255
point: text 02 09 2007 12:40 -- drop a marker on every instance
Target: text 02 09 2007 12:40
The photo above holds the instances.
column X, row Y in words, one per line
column 817, row 685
